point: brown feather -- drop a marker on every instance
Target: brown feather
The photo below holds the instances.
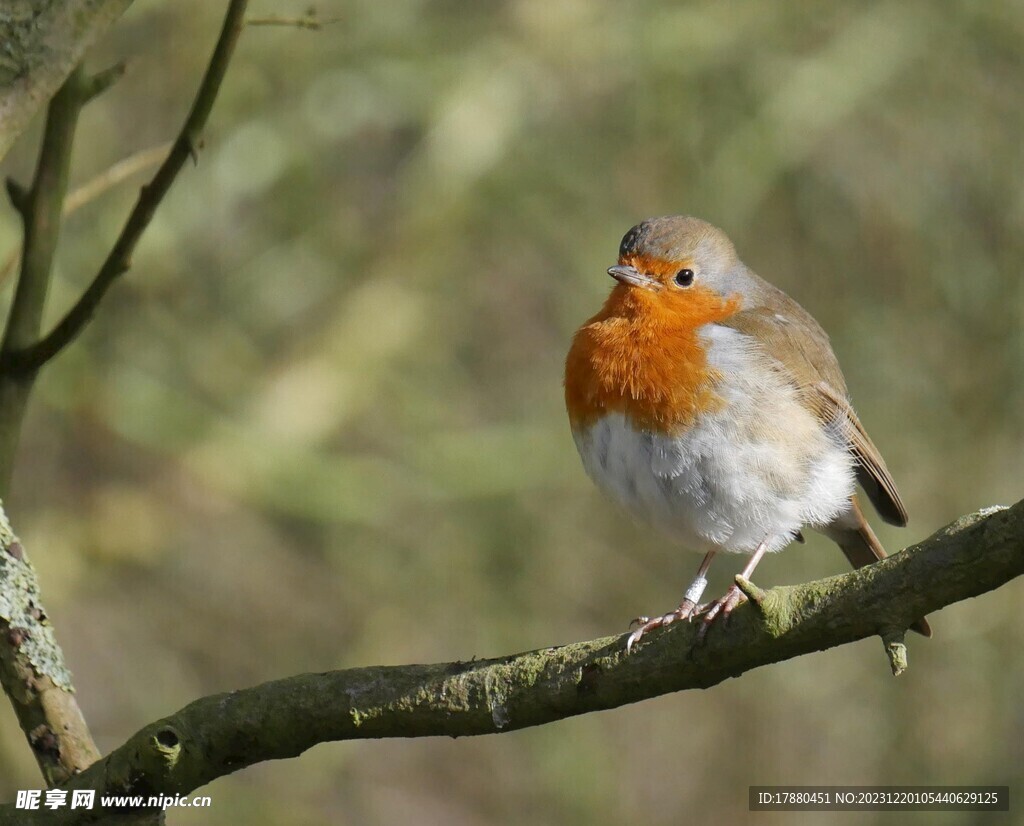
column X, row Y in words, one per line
column 802, row 349
column 872, row 473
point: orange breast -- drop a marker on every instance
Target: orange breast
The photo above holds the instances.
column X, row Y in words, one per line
column 642, row 356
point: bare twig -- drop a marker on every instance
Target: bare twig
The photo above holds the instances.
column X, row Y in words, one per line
column 101, row 81
column 310, row 21
column 32, row 356
column 18, row 195
column 40, row 210
column 93, row 189
column 113, row 175
column 218, row 735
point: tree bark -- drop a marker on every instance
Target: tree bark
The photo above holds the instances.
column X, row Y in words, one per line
column 32, row 670
column 43, row 41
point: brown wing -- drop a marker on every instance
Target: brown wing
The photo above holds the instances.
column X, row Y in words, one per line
column 797, row 342
column 872, row 473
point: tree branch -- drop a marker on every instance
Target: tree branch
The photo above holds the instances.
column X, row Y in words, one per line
column 93, row 188
column 32, row 356
column 220, row 734
column 43, row 40
column 32, row 669
column 31, row 664
column 101, row 81
column 40, row 209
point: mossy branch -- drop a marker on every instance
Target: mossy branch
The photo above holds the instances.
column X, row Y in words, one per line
column 220, row 734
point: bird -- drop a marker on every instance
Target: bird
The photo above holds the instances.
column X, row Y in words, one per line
column 710, row 405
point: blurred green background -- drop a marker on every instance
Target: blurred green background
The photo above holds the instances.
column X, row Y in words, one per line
column 320, row 422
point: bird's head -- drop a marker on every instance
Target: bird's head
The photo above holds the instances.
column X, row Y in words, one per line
column 678, row 264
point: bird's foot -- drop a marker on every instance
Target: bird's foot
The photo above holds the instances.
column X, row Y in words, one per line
column 686, row 611
column 721, row 607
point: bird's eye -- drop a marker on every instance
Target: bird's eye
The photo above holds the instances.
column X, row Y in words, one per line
column 684, row 278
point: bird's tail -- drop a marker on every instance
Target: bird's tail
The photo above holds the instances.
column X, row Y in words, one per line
column 855, row 538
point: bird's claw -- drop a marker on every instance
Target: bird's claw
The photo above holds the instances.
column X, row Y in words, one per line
column 723, row 606
column 686, row 611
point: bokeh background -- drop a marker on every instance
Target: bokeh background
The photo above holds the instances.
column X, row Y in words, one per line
column 320, row 422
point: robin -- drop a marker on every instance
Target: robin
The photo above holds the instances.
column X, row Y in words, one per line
column 710, row 404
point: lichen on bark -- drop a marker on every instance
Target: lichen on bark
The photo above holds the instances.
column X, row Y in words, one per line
column 41, row 41
column 21, row 611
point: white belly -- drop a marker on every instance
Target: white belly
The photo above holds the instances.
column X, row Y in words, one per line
column 756, row 470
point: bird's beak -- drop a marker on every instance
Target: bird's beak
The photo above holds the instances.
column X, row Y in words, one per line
column 629, row 275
